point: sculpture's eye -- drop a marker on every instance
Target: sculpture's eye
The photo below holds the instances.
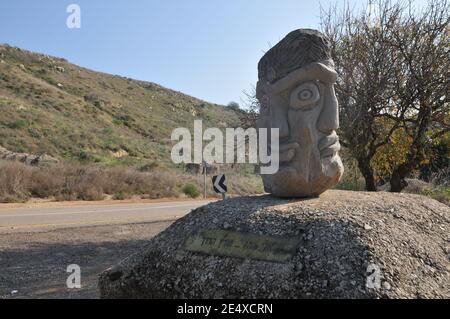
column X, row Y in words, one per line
column 305, row 96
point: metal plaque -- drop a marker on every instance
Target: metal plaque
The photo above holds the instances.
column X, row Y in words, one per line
column 242, row 245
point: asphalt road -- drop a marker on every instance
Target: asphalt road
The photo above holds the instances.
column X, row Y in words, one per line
column 39, row 240
column 17, row 219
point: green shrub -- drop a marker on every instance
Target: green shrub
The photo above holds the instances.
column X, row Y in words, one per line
column 121, row 196
column 441, row 194
column 84, row 155
column 191, row 190
column 18, row 124
column 123, row 119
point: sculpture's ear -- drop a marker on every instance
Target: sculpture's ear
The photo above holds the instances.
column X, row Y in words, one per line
column 271, row 74
column 260, row 90
column 263, row 89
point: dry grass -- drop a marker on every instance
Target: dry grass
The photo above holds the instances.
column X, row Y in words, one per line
column 74, row 181
column 14, row 178
column 19, row 182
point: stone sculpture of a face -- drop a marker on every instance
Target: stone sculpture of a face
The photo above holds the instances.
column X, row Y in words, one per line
column 296, row 94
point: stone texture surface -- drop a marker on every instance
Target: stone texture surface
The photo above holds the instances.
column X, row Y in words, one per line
column 342, row 233
column 296, row 94
column 298, row 49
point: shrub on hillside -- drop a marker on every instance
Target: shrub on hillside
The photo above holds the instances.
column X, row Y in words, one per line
column 191, row 190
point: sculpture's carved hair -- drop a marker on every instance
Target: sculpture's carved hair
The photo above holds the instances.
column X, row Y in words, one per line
column 298, row 49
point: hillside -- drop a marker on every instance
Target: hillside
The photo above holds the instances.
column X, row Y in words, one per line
column 48, row 105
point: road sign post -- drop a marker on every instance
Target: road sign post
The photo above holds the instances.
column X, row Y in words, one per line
column 204, row 182
column 204, row 171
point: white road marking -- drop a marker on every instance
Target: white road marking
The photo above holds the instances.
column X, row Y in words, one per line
column 98, row 211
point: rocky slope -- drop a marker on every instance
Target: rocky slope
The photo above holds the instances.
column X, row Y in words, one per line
column 351, row 245
column 29, row 159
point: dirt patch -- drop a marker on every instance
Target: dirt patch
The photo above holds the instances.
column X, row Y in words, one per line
column 33, row 265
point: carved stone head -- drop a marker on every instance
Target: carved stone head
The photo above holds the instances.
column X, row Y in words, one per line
column 296, row 94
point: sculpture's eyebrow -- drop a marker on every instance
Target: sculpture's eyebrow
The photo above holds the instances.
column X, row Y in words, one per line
column 312, row 71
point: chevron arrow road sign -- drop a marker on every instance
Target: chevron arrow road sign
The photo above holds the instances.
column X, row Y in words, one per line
column 220, row 184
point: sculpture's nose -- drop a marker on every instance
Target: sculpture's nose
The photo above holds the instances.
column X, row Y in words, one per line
column 279, row 119
column 284, row 130
column 329, row 117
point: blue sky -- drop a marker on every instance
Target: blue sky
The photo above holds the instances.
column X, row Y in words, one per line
column 206, row 48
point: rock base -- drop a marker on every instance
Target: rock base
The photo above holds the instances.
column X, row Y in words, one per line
column 349, row 245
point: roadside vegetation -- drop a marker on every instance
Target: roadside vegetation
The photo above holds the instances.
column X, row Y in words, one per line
column 75, row 181
column 191, row 190
column 434, row 184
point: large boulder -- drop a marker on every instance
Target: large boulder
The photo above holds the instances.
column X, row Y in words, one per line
column 341, row 245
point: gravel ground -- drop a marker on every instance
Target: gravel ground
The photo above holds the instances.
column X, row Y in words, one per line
column 352, row 245
column 33, row 264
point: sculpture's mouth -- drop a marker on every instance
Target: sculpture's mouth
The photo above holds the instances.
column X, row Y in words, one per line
column 329, row 146
column 287, row 151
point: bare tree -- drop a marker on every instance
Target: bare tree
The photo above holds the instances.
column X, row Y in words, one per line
column 251, row 109
column 393, row 66
column 365, row 61
column 422, row 91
